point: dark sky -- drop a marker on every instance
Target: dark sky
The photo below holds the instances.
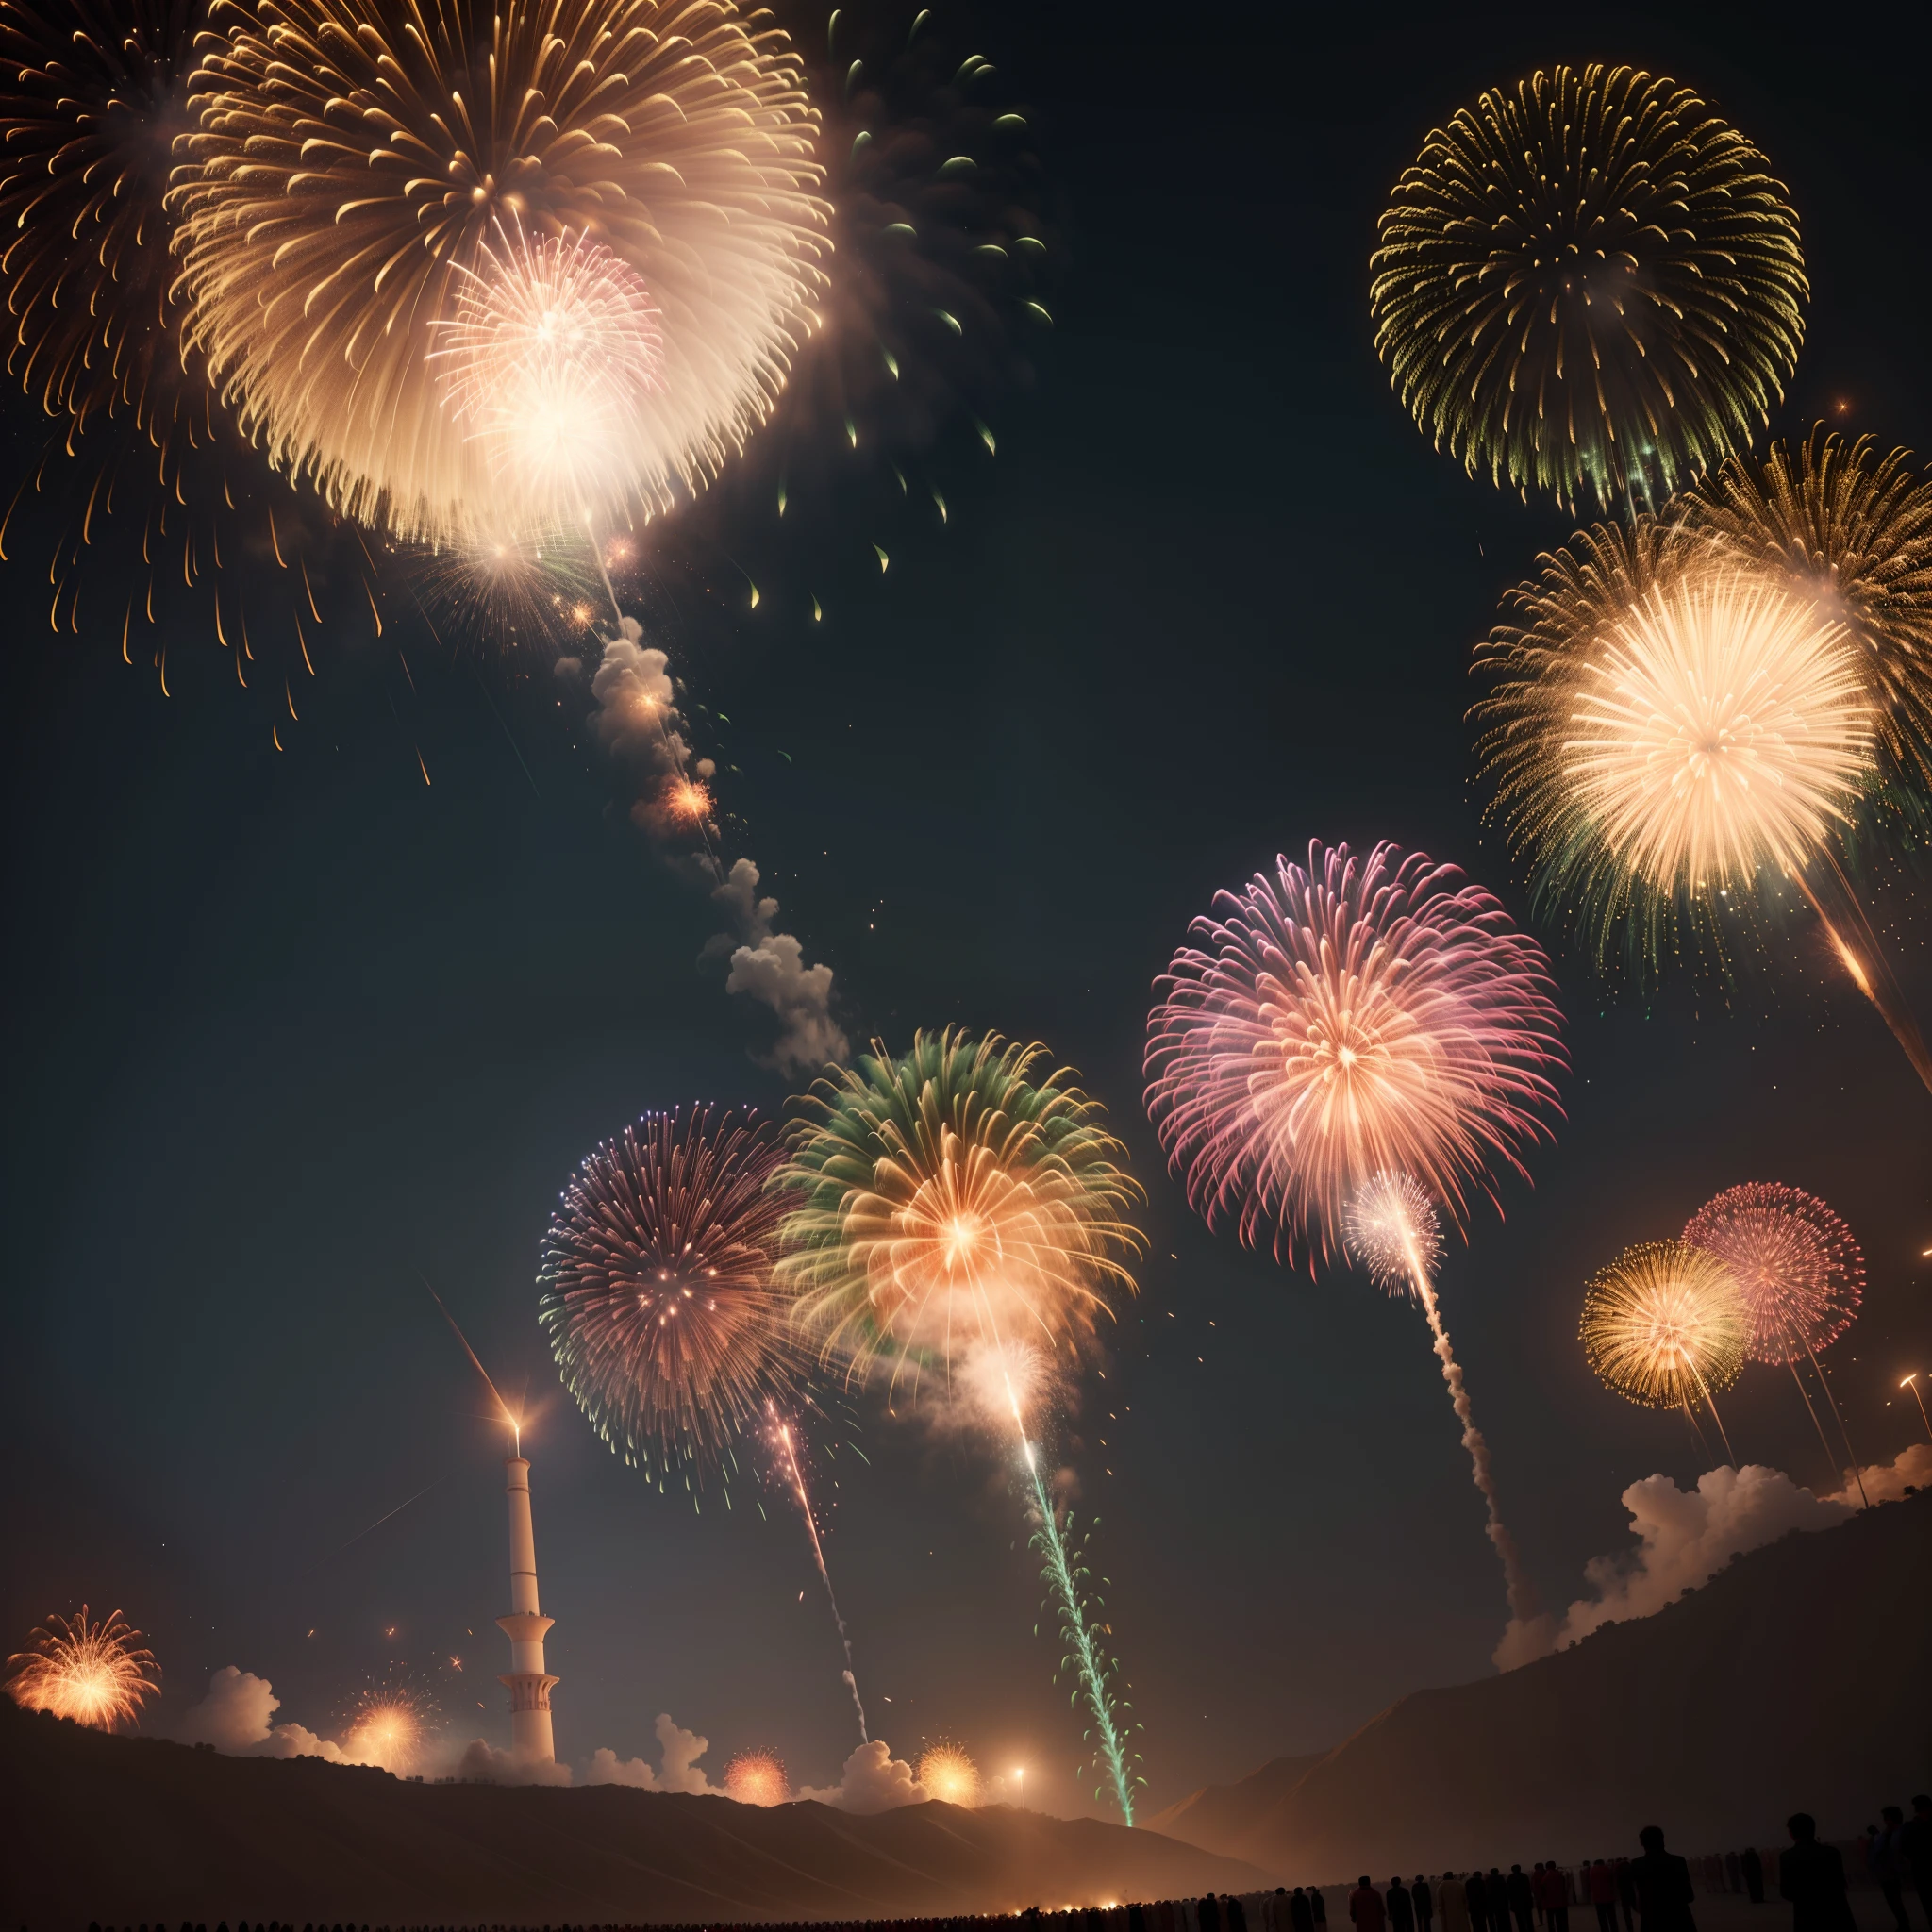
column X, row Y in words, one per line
column 285, row 1030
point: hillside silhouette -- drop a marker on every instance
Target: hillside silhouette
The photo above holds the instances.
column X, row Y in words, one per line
column 126, row 1830
column 1797, row 1678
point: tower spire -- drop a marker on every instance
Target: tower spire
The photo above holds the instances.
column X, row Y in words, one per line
column 525, row 1626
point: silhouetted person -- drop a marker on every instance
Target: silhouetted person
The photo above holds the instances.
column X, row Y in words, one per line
column 1423, row 1903
column 1663, row 1885
column 1497, row 1896
column 1884, row 1860
column 1602, row 1884
column 1234, row 1917
column 1301, row 1914
column 1627, row 1890
column 1365, row 1908
column 1476, row 1893
column 1207, row 1914
column 1917, row 1837
column 1813, row 1876
column 1522, row 1896
column 1553, row 1896
column 1400, row 1907
column 1137, row 1919
column 1452, row 1895
column 1750, row 1870
column 1321, row 1906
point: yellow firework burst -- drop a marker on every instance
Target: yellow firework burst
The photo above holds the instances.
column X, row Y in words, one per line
column 1669, row 726
column 1665, row 1325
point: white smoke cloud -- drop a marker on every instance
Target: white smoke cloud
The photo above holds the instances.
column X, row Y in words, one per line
column 769, row 966
column 874, row 1780
column 1887, row 1482
column 234, row 1715
column 298, row 1740
column 1685, row 1536
column 679, row 1751
column 487, row 1764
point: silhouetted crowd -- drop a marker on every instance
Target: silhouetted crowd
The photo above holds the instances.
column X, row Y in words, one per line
column 1652, row 1892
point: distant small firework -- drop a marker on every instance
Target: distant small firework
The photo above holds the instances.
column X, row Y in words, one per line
column 1667, row 731
column 390, row 1726
column 1392, row 1228
column 758, row 1777
column 506, row 587
column 1590, row 281
column 1852, row 530
column 1800, row 1274
column 658, row 1292
column 1360, row 1015
column 320, row 272
column 1664, row 1326
column 1796, row 1263
column 949, row 1775
column 96, row 1674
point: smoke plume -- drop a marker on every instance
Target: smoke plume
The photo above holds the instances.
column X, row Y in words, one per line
column 769, row 966
column 234, row 1716
column 874, row 1780
column 679, row 1751
column 1685, row 1536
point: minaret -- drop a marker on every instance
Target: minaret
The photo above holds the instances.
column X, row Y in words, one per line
column 529, row 1687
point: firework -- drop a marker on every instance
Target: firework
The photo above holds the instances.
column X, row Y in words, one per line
column 390, row 1727
column 1672, row 734
column 96, row 1673
column 1852, row 531
column 1665, row 1325
column 1359, row 1016
column 510, row 587
column 758, row 1777
column 951, row 1207
column 948, row 1203
column 1590, row 279
column 657, row 1292
column 1799, row 1271
column 324, row 267
column 949, row 1775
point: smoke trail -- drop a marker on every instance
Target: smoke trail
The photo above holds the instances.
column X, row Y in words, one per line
column 782, row 1432
column 1523, row 1603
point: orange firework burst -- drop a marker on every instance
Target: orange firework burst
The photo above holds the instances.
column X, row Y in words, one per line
column 949, row 1775
column 758, row 1777
column 690, row 801
column 389, row 1728
column 93, row 1674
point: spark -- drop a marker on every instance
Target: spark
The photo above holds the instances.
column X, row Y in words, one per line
column 758, row 1777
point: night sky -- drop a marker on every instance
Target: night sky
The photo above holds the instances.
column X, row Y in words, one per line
column 290, row 1032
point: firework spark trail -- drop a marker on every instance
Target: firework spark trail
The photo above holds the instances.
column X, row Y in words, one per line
column 782, row 1432
column 1871, row 973
column 1076, row 1625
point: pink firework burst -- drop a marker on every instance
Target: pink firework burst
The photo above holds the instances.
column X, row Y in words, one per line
column 1358, row 1016
column 1801, row 1274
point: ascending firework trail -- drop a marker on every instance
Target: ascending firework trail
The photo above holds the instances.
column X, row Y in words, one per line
column 952, row 1214
column 787, row 1450
column 1392, row 1228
